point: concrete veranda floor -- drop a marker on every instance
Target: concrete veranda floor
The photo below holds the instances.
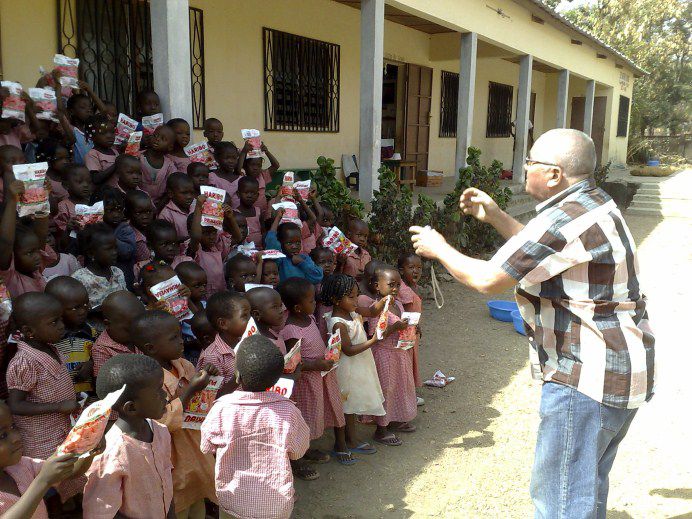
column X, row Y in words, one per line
column 472, row 454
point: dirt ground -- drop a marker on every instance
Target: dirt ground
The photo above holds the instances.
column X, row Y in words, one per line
column 472, row 454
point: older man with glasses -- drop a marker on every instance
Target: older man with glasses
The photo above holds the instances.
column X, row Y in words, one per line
column 574, row 269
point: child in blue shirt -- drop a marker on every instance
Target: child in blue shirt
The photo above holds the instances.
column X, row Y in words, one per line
column 287, row 238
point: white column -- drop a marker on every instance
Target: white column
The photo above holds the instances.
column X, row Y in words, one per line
column 521, row 128
column 467, row 87
column 588, row 106
column 562, row 98
column 371, row 62
column 170, row 41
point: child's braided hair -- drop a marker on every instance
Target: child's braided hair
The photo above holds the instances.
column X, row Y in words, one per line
column 95, row 123
column 335, row 287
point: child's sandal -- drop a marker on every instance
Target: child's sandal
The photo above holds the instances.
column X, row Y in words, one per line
column 305, row 472
column 344, row 458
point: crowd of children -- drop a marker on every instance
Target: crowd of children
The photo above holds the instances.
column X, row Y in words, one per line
column 82, row 316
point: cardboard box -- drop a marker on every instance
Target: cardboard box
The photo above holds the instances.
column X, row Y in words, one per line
column 429, row 178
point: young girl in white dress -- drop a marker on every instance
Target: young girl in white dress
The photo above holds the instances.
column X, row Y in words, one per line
column 358, row 381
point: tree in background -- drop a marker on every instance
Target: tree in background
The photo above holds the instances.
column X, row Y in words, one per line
column 656, row 34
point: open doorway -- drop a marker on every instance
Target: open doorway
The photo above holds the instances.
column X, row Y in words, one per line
column 393, row 93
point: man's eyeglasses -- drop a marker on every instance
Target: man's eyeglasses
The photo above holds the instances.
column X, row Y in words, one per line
column 532, row 162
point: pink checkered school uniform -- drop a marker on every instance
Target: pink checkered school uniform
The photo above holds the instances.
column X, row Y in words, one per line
column 320, row 310
column 104, row 348
column 308, row 239
column 45, row 380
column 262, row 203
column 220, row 355
column 230, row 187
column 254, row 229
column 317, row 397
column 98, row 161
column 23, row 474
column 412, row 303
column 154, row 180
column 132, row 477
column 178, row 217
column 180, row 163
column 276, row 339
column 142, row 250
column 355, row 263
column 253, row 437
column 66, row 211
column 395, row 371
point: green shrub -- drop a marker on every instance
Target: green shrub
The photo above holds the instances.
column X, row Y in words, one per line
column 335, row 194
column 390, row 218
column 465, row 232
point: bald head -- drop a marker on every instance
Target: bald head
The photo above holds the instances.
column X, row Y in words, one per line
column 572, row 150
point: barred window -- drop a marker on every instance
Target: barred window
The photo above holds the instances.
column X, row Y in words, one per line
column 623, row 116
column 448, row 104
column 301, row 83
column 499, row 110
column 112, row 39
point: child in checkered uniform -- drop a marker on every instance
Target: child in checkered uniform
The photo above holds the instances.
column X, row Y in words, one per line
column 254, row 433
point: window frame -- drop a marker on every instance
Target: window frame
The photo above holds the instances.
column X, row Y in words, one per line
column 499, row 119
column 449, row 104
column 304, row 95
column 623, row 119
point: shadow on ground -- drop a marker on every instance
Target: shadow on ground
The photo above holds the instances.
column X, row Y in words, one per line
column 460, row 340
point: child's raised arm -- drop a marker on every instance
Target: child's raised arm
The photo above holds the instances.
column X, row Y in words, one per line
column 229, row 217
column 273, row 163
column 196, row 226
column 30, row 112
column 374, row 310
column 100, row 105
column 260, row 267
column 53, row 471
column 277, row 220
column 8, row 224
column 242, row 155
column 62, row 116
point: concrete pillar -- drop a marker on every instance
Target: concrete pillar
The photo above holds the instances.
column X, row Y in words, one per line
column 521, row 128
column 170, row 41
column 467, row 87
column 588, row 106
column 562, row 99
column 371, row 62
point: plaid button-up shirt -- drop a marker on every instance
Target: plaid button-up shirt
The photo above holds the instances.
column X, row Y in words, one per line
column 579, row 295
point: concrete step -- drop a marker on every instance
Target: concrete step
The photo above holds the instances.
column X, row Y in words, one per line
column 658, row 213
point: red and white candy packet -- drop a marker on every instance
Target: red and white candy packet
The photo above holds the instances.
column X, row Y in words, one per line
column 212, row 210
column 333, row 351
column 407, row 336
column 34, row 200
column 124, row 128
column 382, row 320
column 253, row 137
column 290, row 212
column 439, row 379
column 90, row 426
column 13, row 105
column 337, row 242
column 69, row 70
column 286, row 189
column 46, row 102
column 250, row 330
column 169, row 292
column 134, row 142
column 292, row 358
column 197, row 409
column 200, row 152
column 151, row 122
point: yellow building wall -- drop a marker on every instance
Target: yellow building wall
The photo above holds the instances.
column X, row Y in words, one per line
column 28, row 39
column 234, row 65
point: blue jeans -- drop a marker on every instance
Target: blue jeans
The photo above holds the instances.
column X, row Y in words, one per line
column 576, row 446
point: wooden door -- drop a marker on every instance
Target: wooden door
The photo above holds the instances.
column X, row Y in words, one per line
column 418, row 104
column 598, row 126
column 597, row 123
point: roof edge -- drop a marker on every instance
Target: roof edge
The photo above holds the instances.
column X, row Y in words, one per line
column 562, row 19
